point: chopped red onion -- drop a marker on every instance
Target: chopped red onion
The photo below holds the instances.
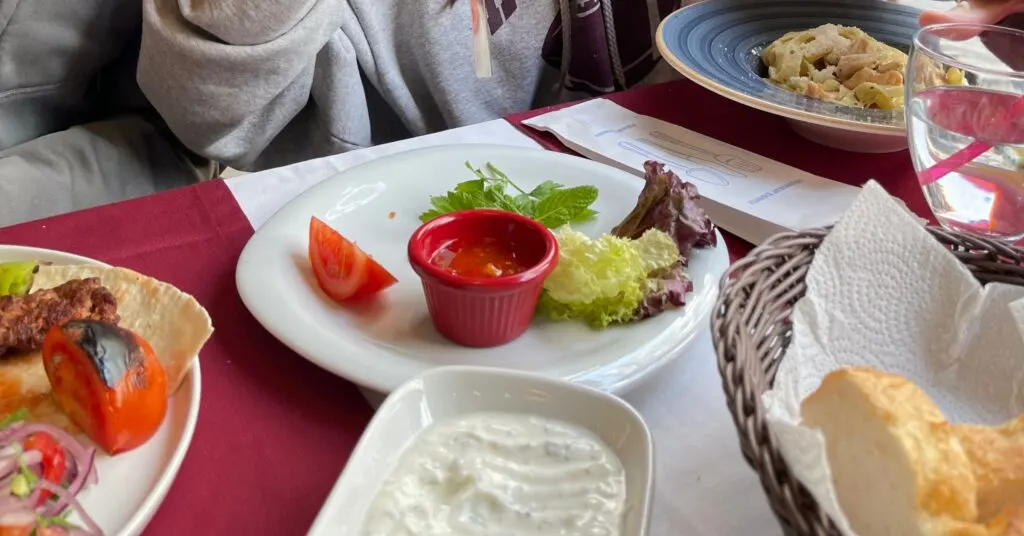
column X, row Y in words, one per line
column 64, row 495
column 80, row 472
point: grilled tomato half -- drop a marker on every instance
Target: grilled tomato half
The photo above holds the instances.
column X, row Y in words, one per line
column 108, row 380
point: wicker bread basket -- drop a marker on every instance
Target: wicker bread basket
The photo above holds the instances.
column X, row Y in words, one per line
column 751, row 330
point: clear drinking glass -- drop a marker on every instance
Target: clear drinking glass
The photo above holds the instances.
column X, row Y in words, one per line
column 965, row 123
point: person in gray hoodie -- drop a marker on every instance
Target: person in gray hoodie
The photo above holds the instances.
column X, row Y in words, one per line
column 102, row 100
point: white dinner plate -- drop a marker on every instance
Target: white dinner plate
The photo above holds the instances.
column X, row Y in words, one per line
column 453, row 392
column 377, row 205
column 131, row 485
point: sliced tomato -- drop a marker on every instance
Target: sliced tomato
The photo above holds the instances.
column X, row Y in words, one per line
column 17, row 530
column 342, row 270
column 54, row 464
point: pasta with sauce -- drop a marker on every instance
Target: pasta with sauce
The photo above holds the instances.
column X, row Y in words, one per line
column 842, row 65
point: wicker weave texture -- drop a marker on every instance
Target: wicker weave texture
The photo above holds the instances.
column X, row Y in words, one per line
column 751, row 330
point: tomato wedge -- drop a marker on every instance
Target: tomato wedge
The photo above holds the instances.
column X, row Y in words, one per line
column 17, row 530
column 54, row 464
column 342, row 270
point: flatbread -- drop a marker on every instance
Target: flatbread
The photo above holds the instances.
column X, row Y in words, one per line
column 24, row 384
column 172, row 321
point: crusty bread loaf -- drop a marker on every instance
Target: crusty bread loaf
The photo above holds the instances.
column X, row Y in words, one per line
column 997, row 459
column 897, row 467
column 1008, row 523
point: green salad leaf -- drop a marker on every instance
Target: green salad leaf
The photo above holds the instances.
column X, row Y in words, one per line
column 550, row 203
column 603, row 281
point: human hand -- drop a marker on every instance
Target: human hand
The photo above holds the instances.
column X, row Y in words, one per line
column 979, row 12
column 1009, row 13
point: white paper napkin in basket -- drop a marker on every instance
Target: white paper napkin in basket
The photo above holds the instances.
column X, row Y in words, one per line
column 883, row 293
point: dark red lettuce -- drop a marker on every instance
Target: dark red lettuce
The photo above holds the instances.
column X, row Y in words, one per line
column 666, row 290
column 669, row 204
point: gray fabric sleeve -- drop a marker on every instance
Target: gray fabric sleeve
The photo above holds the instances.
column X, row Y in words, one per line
column 229, row 75
column 89, row 165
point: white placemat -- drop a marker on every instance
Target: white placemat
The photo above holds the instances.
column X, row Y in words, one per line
column 702, row 484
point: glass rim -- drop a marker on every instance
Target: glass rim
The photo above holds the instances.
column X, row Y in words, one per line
column 947, row 59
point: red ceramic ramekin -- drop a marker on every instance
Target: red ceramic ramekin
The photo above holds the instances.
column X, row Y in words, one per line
column 483, row 311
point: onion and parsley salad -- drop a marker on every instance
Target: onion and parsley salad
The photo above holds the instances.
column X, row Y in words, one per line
column 42, row 470
column 635, row 272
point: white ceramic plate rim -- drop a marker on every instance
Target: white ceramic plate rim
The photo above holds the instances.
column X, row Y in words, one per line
column 246, row 280
column 387, row 409
column 152, row 501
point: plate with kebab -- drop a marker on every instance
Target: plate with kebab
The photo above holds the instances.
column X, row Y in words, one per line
column 99, row 393
column 491, row 256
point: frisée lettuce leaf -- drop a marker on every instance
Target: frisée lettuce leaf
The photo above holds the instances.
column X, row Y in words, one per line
column 611, row 279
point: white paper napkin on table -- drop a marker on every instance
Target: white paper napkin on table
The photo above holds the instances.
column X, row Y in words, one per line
column 883, row 293
column 745, row 193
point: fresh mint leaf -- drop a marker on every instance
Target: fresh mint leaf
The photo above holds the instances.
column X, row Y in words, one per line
column 500, row 200
column 525, row 204
column 554, row 219
column 473, row 186
column 457, row 200
column 549, row 202
column 545, row 189
column 565, row 205
column 430, row 214
column 468, row 200
column 494, row 190
column 442, row 203
column 583, row 216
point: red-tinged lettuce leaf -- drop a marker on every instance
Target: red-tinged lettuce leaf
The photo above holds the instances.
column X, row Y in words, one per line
column 665, row 290
column 669, row 204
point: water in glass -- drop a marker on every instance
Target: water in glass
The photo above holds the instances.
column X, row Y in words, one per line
column 986, row 196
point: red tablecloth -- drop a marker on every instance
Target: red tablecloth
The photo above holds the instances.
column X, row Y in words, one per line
column 274, row 431
column 688, row 105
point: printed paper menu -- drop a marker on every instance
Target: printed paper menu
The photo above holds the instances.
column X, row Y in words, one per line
column 745, row 193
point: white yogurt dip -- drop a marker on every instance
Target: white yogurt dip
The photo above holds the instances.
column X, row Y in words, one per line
column 501, row 474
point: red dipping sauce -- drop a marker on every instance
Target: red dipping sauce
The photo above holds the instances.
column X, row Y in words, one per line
column 478, row 258
column 482, row 272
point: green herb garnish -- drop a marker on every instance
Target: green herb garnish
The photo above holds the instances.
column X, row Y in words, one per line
column 550, row 203
column 17, row 416
column 59, row 520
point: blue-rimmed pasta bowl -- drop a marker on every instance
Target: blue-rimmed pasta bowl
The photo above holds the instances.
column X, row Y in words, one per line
column 718, row 44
